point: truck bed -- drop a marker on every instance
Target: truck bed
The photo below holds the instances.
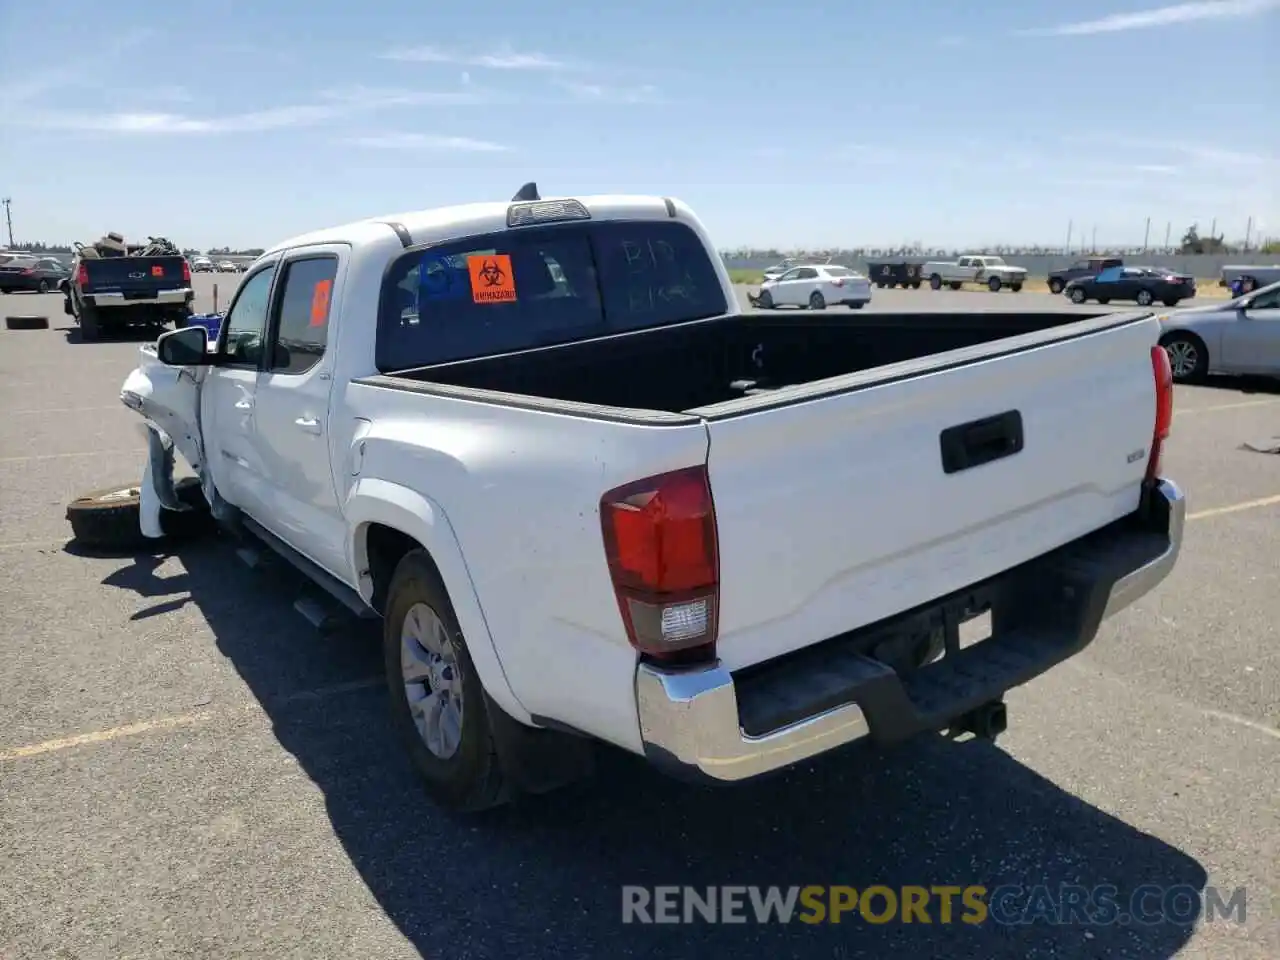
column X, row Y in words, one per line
column 692, row 366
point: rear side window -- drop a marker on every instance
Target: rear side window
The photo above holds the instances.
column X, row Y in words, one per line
column 518, row 289
column 302, row 329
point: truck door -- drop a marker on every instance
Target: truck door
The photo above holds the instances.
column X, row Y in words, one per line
column 227, row 399
column 292, row 434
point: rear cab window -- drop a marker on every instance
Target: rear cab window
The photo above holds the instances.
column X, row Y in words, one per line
column 538, row 286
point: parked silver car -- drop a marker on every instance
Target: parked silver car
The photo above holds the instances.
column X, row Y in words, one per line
column 1241, row 336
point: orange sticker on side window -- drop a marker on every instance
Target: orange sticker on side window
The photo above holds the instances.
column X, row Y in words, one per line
column 491, row 278
column 320, row 303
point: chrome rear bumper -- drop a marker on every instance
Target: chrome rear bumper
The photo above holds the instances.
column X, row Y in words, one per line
column 691, row 720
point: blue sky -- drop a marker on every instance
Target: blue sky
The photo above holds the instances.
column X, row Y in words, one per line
column 785, row 124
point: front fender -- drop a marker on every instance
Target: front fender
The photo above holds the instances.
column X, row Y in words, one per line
column 380, row 501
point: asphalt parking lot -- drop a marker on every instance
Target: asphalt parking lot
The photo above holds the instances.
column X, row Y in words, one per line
column 188, row 768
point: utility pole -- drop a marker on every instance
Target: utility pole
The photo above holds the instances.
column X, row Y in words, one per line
column 1093, row 244
column 1213, row 229
column 1248, row 232
column 8, row 218
column 1168, row 229
column 1146, row 235
column 1070, row 224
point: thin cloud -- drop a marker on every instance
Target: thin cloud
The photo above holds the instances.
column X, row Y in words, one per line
column 338, row 103
column 84, row 70
column 1158, row 17
column 505, row 59
column 1162, row 169
column 597, row 93
column 426, row 142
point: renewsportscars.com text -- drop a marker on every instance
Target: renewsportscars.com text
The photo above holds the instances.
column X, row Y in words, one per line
column 973, row 904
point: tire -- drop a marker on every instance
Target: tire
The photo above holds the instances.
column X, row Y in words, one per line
column 26, row 323
column 956, row 284
column 1188, row 356
column 1104, row 300
column 1056, row 285
column 857, row 306
column 1077, row 295
column 817, row 301
column 994, row 284
column 42, row 286
column 1015, row 287
column 1144, row 298
column 935, row 282
column 110, row 518
column 1170, row 301
column 469, row 778
column 915, row 284
column 765, row 300
column 90, row 329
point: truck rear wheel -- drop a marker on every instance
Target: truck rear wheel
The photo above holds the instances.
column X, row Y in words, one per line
column 437, row 701
column 956, row 284
column 87, row 317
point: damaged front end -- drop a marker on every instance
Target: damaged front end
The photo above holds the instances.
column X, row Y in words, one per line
column 168, row 400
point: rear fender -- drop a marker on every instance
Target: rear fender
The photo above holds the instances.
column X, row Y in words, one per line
column 379, row 501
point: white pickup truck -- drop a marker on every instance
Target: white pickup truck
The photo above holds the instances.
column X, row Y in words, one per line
column 974, row 268
column 593, row 501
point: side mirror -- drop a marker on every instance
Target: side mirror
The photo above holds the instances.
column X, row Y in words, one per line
column 188, row 347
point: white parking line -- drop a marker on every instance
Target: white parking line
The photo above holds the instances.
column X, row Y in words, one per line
column 1227, row 406
column 31, row 410
column 67, row 456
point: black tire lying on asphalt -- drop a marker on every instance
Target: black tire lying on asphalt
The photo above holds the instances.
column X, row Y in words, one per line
column 110, row 518
column 26, row 323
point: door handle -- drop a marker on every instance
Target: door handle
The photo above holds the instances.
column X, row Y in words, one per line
column 307, row 424
column 245, row 404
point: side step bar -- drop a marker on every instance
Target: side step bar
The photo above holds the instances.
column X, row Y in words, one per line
column 320, row 577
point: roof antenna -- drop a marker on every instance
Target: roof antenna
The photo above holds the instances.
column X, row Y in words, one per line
column 528, row 192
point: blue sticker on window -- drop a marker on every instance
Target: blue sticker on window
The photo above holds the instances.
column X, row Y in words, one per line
column 439, row 278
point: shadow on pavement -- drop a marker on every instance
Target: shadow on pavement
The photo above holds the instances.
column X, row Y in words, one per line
column 1244, row 384
column 544, row 878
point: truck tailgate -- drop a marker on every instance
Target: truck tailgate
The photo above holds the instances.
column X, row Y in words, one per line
column 134, row 277
column 836, row 512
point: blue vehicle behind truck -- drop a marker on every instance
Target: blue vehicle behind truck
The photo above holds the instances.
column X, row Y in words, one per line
column 110, row 294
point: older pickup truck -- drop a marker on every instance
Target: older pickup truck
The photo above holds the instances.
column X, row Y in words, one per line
column 991, row 272
column 592, row 500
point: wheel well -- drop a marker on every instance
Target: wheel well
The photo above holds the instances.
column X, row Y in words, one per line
column 385, row 547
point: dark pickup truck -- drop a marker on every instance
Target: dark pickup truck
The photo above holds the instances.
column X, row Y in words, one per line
column 1091, row 267
column 110, row 293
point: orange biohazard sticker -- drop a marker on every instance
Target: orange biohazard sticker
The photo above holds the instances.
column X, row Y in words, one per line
column 491, row 278
column 320, row 302
column 157, row 271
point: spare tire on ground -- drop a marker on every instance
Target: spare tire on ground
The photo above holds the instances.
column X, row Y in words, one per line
column 111, row 518
column 26, row 322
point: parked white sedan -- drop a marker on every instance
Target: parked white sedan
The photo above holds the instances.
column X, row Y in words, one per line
column 816, row 287
column 1240, row 336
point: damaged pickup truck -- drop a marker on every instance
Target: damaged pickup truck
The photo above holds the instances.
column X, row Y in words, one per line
column 594, row 501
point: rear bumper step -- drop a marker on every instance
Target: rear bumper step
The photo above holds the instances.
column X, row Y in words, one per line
column 709, row 724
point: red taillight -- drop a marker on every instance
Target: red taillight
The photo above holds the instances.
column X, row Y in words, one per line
column 186, row 272
column 28, row 271
column 660, row 543
column 1163, row 374
column 82, row 275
